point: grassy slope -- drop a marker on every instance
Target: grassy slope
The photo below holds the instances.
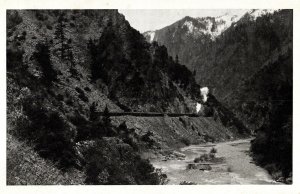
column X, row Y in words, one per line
column 26, row 167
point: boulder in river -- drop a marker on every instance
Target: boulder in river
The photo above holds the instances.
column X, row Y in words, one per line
column 178, row 154
column 174, row 156
column 199, row 166
column 204, row 167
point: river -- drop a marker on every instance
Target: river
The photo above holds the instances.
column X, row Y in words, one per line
column 237, row 166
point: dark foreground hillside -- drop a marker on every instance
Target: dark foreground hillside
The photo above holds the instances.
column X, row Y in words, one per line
column 272, row 147
column 65, row 66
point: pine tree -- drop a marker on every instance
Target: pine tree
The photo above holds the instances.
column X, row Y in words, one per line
column 176, row 59
column 60, row 35
column 94, row 59
column 106, row 121
column 93, row 111
column 106, row 117
column 42, row 56
column 69, row 53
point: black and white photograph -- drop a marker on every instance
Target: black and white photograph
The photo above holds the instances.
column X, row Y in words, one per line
column 149, row 96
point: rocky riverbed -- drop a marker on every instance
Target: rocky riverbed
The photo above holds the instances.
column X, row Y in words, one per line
column 236, row 166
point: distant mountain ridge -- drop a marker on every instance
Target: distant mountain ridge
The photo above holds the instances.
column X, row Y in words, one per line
column 199, row 48
column 212, row 26
column 225, row 63
column 249, row 68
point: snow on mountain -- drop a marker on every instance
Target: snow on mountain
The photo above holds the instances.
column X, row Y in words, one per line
column 214, row 26
column 190, row 26
column 211, row 26
column 224, row 22
column 150, row 35
column 255, row 13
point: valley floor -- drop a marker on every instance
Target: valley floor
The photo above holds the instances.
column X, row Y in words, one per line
column 236, row 168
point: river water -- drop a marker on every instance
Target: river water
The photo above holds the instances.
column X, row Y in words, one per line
column 236, row 168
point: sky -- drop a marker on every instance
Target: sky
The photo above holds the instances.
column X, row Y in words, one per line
column 154, row 19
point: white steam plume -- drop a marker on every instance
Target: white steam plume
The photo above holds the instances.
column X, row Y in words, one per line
column 204, row 92
column 198, row 107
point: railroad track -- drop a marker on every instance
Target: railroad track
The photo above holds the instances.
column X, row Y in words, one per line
column 148, row 114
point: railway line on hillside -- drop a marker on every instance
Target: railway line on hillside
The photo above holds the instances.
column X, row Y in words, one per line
column 148, row 114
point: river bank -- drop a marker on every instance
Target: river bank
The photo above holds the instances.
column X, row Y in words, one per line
column 236, row 167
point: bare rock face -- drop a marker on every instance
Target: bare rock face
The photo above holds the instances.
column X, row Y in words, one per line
column 174, row 156
column 199, row 166
column 170, row 132
column 178, row 154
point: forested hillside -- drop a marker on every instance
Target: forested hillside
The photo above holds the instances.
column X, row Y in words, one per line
column 243, row 49
column 64, row 66
column 249, row 68
column 221, row 61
